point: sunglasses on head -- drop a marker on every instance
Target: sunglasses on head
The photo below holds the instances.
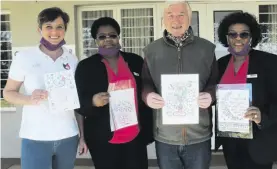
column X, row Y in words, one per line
column 103, row 37
column 243, row 35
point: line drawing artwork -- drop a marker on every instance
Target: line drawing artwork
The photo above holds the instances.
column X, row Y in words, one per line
column 62, row 91
column 180, row 93
column 180, row 99
column 122, row 108
column 232, row 105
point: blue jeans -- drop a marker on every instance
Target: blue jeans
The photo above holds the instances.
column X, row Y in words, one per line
column 59, row 154
column 195, row 156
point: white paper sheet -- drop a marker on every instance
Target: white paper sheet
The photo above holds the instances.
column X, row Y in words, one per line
column 112, row 120
column 62, row 92
column 180, row 93
column 123, row 109
column 232, row 105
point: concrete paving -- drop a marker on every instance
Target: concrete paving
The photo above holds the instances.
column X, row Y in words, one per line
column 87, row 167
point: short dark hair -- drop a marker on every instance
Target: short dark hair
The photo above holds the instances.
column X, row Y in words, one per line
column 104, row 21
column 50, row 14
column 242, row 18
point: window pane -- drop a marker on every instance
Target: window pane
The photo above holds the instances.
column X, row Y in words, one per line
column 3, row 83
column 5, row 26
column 195, row 23
column 268, row 20
column 4, row 74
column 266, row 8
column 5, row 17
column 6, row 46
column 7, row 55
column 137, row 29
column 89, row 43
column 5, row 64
column 6, row 36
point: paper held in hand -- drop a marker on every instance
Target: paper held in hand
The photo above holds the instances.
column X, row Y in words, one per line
column 62, row 91
column 122, row 109
column 233, row 100
column 180, row 93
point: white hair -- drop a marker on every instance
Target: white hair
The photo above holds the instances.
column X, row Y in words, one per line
column 168, row 3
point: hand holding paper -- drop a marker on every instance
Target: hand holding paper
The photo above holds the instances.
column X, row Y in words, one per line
column 154, row 101
column 37, row 96
column 204, row 100
column 253, row 114
column 100, row 99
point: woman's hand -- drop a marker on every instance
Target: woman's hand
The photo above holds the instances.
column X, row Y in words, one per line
column 100, row 99
column 83, row 148
column 253, row 114
column 38, row 96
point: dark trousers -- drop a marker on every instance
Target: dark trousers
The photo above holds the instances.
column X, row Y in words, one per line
column 132, row 155
column 237, row 155
column 195, row 156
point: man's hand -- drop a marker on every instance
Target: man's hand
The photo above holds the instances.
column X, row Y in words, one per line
column 204, row 100
column 154, row 100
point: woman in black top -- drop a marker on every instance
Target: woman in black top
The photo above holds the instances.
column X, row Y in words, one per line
column 241, row 33
column 96, row 76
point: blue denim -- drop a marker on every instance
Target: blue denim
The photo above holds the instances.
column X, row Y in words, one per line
column 195, row 156
column 59, row 154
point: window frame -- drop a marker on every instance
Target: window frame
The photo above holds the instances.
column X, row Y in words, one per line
column 11, row 107
column 116, row 8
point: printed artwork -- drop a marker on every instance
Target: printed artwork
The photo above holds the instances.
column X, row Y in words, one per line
column 180, row 93
column 62, row 91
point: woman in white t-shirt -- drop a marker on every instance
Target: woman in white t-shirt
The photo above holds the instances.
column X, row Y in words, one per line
column 45, row 133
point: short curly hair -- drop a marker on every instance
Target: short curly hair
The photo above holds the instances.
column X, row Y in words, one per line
column 242, row 18
column 104, row 21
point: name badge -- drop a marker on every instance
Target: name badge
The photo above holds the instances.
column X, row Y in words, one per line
column 136, row 74
column 252, row 76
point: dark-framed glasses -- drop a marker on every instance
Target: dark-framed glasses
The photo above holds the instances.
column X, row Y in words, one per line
column 234, row 35
column 103, row 37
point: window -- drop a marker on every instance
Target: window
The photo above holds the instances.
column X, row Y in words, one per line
column 88, row 17
column 137, row 27
column 268, row 21
column 6, row 56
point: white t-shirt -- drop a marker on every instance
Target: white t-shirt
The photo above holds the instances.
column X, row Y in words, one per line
column 38, row 122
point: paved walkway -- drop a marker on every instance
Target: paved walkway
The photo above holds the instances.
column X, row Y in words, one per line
column 85, row 167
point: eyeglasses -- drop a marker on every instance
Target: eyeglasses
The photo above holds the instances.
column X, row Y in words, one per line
column 243, row 35
column 103, row 37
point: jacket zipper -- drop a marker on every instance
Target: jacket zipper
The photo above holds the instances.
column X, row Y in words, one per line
column 179, row 72
column 179, row 60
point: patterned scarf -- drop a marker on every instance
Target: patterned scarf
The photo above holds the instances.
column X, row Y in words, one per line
column 178, row 40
